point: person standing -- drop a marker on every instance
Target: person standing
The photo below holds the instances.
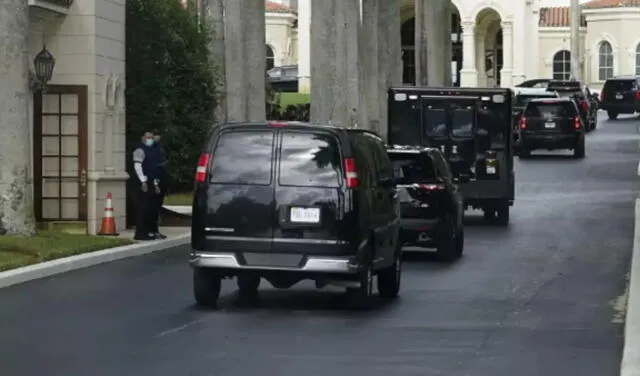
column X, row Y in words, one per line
column 160, row 186
column 146, row 161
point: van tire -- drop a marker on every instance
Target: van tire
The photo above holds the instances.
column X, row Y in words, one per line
column 525, row 152
column 578, row 151
column 248, row 286
column 612, row 115
column 389, row 278
column 502, row 217
column 460, row 242
column 447, row 250
column 360, row 297
column 206, row 287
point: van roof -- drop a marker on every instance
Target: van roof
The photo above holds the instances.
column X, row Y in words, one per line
column 296, row 124
column 552, row 99
column 409, row 149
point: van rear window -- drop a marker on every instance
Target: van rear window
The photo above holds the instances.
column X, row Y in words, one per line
column 243, row 158
column 309, row 160
column 412, row 168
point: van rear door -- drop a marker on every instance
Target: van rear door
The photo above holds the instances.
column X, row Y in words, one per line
column 309, row 193
column 240, row 190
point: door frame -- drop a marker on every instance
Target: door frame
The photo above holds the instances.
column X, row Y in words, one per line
column 83, row 123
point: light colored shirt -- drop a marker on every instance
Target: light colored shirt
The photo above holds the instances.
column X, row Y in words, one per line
column 138, row 158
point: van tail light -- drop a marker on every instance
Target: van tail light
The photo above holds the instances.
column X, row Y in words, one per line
column 351, row 173
column 584, row 105
column 201, row 170
column 523, row 122
column 431, row 187
column 576, row 122
column 638, row 95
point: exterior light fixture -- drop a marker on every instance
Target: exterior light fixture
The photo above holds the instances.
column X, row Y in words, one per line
column 43, row 64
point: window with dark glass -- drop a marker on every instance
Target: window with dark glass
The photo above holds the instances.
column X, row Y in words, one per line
column 562, row 65
column 243, row 158
column 435, row 122
column 309, row 160
column 462, row 122
column 412, row 168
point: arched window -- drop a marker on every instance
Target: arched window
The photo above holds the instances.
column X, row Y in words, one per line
column 605, row 61
column 562, row 65
column 638, row 60
column 271, row 60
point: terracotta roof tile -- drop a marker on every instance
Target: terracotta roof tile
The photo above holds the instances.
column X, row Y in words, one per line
column 557, row 17
column 594, row 4
column 272, row 7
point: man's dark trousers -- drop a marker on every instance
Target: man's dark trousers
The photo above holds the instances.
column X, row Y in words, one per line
column 144, row 211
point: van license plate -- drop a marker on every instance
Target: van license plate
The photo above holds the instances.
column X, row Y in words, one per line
column 619, row 96
column 550, row 124
column 305, row 215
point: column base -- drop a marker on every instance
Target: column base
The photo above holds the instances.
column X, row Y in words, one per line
column 482, row 80
column 506, row 77
column 468, row 77
column 304, row 85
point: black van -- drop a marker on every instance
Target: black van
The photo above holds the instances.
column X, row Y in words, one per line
column 293, row 201
column 620, row 95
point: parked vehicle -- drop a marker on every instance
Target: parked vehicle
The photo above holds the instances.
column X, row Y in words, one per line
column 538, row 83
column 522, row 97
column 292, row 201
column 583, row 97
column 621, row 95
column 284, row 78
column 431, row 206
column 552, row 124
column 473, row 128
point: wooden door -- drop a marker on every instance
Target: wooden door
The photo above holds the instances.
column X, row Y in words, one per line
column 60, row 153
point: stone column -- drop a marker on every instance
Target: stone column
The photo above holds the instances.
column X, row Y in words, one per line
column 335, row 78
column 213, row 11
column 16, row 197
column 244, row 58
column 371, row 52
column 468, row 73
column 481, row 57
column 304, row 46
column 390, row 54
column 506, row 74
column 433, row 57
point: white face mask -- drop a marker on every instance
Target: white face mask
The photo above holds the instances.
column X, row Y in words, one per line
column 148, row 142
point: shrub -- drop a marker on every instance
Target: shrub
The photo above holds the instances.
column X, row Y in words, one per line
column 171, row 83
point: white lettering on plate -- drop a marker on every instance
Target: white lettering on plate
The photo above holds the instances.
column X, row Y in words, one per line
column 400, row 97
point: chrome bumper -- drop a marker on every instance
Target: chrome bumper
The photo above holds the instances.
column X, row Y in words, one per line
column 312, row 264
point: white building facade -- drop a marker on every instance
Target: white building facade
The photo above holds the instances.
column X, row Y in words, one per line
column 78, row 123
column 498, row 42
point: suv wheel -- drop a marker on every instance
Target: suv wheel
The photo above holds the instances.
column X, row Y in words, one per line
column 389, row 278
column 612, row 115
column 524, row 152
column 248, row 286
column 460, row 242
column 578, row 151
column 206, row 287
column 360, row 297
column 447, row 248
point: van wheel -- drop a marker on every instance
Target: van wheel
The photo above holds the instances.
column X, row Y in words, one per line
column 206, row 287
column 502, row 218
column 578, row 151
column 390, row 277
column 447, row 250
column 488, row 214
column 360, row 297
column 248, row 286
column 460, row 242
column 525, row 152
column 612, row 115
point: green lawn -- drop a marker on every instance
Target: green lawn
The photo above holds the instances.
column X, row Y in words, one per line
column 287, row 99
column 18, row 251
column 179, row 199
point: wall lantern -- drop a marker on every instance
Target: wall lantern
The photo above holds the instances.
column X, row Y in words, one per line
column 43, row 64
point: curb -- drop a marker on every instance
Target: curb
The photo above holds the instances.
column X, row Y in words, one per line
column 630, row 365
column 66, row 264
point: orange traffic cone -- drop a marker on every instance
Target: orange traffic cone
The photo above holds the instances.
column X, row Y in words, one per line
column 108, row 225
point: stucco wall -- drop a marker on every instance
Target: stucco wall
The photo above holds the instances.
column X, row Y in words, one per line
column 552, row 40
column 89, row 47
column 280, row 35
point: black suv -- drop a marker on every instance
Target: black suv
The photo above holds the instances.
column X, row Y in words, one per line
column 551, row 124
column 621, row 95
column 431, row 207
column 293, row 201
column 583, row 97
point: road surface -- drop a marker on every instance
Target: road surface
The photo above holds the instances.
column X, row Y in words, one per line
column 544, row 296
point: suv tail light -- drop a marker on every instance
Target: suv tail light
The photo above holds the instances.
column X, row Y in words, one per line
column 523, row 122
column 201, row 170
column 351, row 174
column 638, row 95
column 584, row 105
column 576, row 122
